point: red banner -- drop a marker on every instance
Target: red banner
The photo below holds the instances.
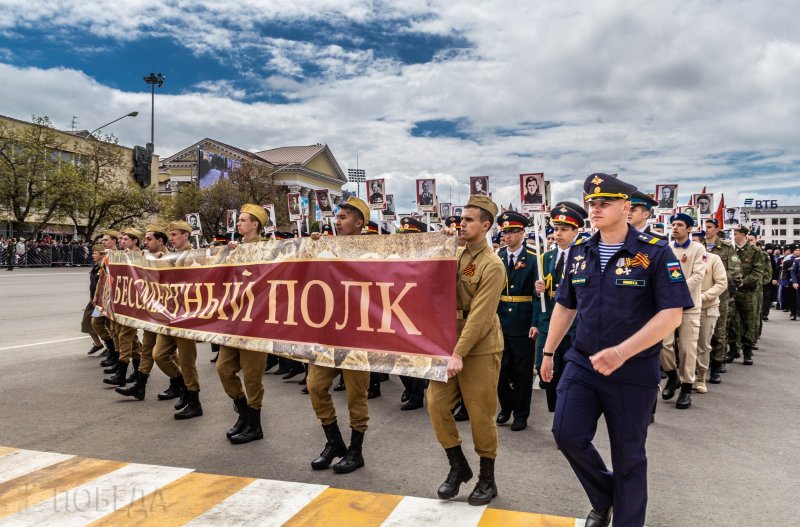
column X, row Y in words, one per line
column 389, row 308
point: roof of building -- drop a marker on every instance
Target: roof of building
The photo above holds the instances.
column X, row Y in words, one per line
column 289, row 155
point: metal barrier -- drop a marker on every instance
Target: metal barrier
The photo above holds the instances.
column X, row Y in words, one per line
column 49, row 255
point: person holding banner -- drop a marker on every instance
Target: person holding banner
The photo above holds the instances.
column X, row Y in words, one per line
column 246, row 398
column 155, row 240
column 474, row 367
column 623, row 313
column 183, row 379
column 350, row 221
column 567, row 218
column 515, row 310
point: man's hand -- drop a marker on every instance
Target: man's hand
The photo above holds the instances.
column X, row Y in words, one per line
column 316, row 236
column 606, row 361
column 232, row 245
column 796, row 286
column 546, row 370
column 448, row 231
column 454, row 365
column 539, row 285
column 533, row 332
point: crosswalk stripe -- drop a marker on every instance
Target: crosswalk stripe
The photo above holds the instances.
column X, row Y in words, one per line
column 433, row 513
column 20, row 462
column 263, row 503
column 498, row 518
column 345, row 507
column 6, row 450
column 35, row 487
column 81, row 505
column 177, row 503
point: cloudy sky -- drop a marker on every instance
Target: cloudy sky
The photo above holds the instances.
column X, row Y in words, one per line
column 694, row 93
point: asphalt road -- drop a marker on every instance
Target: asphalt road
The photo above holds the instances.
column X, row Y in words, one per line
column 732, row 459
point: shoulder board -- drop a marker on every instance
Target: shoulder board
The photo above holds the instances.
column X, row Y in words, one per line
column 650, row 239
column 578, row 241
column 530, row 252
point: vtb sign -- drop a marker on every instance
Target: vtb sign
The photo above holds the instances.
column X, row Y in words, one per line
column 761, row 203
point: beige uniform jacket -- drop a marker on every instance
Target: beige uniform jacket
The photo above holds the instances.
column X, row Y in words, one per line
column 715, row 281
column 480, row 281
column 693, row 266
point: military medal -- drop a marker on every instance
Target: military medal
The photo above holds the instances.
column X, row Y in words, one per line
column 683, row 258
column 469, row 270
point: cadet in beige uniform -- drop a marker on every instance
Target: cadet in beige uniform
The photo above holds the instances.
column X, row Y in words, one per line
column 183, row 379
column 715, row 282
column 128, row 339
column 155, row 240
column 350, row 221
column 247, row 398
column 474, row 367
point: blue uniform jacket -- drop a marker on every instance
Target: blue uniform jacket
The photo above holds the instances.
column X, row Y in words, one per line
column 641, row 279
column 516, row 318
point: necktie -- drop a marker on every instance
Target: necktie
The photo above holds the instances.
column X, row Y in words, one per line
column 511, row 262
column 559, row 268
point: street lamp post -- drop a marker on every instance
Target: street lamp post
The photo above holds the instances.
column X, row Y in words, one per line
column 131, row 114
column 354, row 175
column 153, row 80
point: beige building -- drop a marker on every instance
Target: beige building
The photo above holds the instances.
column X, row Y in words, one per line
column 74, row 143
column 300, row 169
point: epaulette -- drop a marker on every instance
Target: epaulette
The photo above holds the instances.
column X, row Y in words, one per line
column 578, row 241
column 532, row 253
column 652, row 240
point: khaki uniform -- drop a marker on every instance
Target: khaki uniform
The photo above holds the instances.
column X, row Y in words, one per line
column 479, row 284
column 148, row 343
column 693, row 266
column 129, row 345
column 715, row 283
column 319, row 381
column 100, row 326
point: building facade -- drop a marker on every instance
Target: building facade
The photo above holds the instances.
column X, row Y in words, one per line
column 780, row 225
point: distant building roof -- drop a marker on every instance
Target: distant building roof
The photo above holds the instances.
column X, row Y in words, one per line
column 291, row 155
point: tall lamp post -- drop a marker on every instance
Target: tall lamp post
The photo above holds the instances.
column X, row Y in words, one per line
column 354, row 175
column 132, row 114
column 153, row 80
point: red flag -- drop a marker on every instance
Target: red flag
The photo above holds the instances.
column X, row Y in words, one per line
column 720, row 214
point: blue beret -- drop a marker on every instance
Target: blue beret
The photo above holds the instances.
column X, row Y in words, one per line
column 685, row 218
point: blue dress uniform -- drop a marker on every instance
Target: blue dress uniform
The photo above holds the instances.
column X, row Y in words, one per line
column 515, row 311
column 640, row 279
column 564, row 213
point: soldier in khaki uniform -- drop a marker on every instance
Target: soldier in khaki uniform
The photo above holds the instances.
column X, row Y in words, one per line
column 109, row 242
column 474, row 367
column 129, row 345
column 247, row 399
column 183, row 379
column 155, row 240
column 350, row 221
column 744, row 328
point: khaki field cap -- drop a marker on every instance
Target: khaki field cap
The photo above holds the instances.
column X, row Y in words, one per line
column 98, row 248
column 483, row 202
column 180, row 225
column 359, row 205
column 131, row 232
column 255, row 211
column 156, row 227
column 112, row 233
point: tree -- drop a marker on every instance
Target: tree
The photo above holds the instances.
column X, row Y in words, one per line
column 106, row 195
column 37, row 177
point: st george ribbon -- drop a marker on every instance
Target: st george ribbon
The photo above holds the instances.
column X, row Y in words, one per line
column 376, row 303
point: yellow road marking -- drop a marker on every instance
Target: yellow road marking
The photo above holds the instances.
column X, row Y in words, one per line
column 177, row 503
column 345, row 507
column 37, row 486
column 6, row 450
column 497, row 517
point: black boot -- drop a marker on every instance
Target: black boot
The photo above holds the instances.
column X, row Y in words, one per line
column 272, row 361
column 118, row 379
column 714, row 376
column 192, row 408
column 240, row 405
column 183, row 400
column 112, row 352
column 113, row 368
column 598, row 519
column 174, row 389
column 103, row 354
column 673, row 383
column 132, row 376
column 748, row 355
column 295, row 369
column 138, row 389
column 733, row 354
column 334, row 447
column 284, row 366
column 353, row 458
column 460, row 412
column 94, row 349
column 459, row 473
column 252, row 430
column 486, row 488
column 685, row 398
column 339, row 385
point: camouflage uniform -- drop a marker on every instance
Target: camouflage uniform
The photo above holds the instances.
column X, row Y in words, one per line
column 733, row 267
column 746, row 317
column 766, row 278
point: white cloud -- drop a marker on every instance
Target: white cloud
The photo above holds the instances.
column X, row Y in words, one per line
column 649, row 91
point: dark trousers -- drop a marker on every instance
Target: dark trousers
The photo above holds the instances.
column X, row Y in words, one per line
column 414, row 386
column 516, row 376
column 583, row 396
column 769, row 296
column 558, row 369
column 789, row 299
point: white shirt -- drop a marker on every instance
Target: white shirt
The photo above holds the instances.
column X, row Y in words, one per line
column 515, row 254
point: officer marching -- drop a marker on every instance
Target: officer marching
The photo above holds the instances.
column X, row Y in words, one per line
column 474, row 367
column 567, row 219
column 515, row 310
column 627, row 292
